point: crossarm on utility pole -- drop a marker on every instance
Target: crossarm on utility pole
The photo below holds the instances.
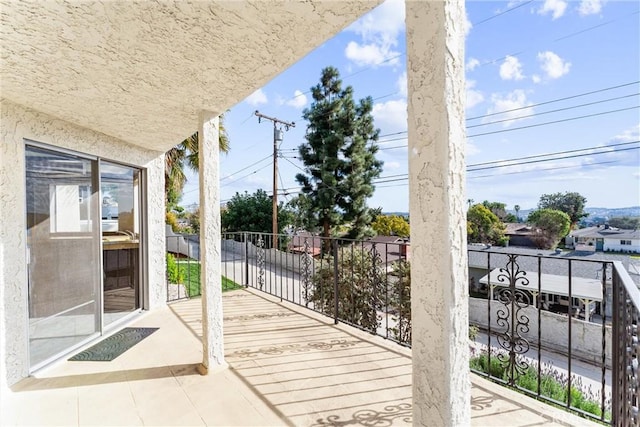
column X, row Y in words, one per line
column 277, row 136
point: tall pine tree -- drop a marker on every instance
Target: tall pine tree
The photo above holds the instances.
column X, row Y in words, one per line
column 339, row 157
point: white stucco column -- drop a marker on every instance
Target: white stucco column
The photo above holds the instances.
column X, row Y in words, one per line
column 439, row 285
column 210, row 267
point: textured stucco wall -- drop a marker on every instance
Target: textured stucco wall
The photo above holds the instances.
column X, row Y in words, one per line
column 586, row 337
column 614, row 245
column 210, row 277
column 439, row 286
column 147, row 68
column 19, row 123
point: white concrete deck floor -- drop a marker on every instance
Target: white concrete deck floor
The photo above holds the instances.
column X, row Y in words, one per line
column 287, row 366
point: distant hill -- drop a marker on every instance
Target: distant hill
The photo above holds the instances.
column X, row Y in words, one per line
column 605, row 213
column 612, row 213
column 404, row 214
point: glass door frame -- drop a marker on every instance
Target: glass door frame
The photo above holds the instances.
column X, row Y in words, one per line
column 142, row 238
column 142, row 256
column 94, row 211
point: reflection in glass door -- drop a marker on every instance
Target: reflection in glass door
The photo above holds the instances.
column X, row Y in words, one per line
column 120, row 187
column 63, row 235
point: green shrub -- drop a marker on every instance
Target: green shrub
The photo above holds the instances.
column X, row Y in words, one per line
column 173, row 273
column 473, row 332
column 552, row 384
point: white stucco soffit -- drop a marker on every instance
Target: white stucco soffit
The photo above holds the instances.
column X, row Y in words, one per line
column 141, row 71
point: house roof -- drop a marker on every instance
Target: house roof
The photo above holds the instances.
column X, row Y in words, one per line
column 516, row 228
column 606, row 233
column 142, row 71
column 589, row 289
column 583, row 264
column 388, row 239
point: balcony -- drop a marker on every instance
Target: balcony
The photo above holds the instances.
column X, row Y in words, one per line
column 287, row 366
column 302, row 352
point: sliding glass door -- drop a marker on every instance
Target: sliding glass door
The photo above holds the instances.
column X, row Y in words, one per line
column 83, row 239
column 63, row 238
column 120, row 239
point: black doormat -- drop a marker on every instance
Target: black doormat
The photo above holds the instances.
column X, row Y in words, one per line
column 112, row 347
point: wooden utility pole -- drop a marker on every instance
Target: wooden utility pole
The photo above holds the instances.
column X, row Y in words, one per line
column 277, row 137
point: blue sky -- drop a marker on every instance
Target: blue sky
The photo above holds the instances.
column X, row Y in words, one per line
column 519, row 55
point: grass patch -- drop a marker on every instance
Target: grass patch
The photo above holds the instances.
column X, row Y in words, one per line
column 189, row 271
column 552, row 384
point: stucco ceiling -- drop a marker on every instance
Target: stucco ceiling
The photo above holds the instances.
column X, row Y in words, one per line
column 141, row 71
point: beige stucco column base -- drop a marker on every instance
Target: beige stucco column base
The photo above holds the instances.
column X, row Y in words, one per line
column 210, row 268
column 439, row 296
column 203, row 370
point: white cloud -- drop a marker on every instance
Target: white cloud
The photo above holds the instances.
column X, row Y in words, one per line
column 474, row 97
column 556, row 7
column 516, row 100
column 391, row 165
column 372, row 54
column 536, row 78
column 632, row 134
column 472, row 148
column 299, row 100
column 256, row 98
column 472, row 63
column 511, row 69
column 391, row 116
column 467, row 25
column 379, row 32
column 401, row 84
column 590, row 7
column 553, row 66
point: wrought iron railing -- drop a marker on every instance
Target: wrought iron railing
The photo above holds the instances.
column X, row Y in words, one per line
column 541, row 316
column 559, row 328
column 626, row 353
column 360, row 283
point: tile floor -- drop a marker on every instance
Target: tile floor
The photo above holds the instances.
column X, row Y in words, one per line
column 286, row 366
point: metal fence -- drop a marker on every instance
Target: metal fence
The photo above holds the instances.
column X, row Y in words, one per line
column 626, row 353
column 540, row 317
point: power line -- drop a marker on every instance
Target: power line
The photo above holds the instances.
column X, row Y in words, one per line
column 475, row 24
column 552, row 111
column 385, row 179
column 554, row 122
column 324, row 184
column 282, row 187
column 593, row 27
column 556, row 100
column 544, row 169
column 514, row 173
column 249, row 174
column 245, row 168
column 384, row 61
column 554, row 154
column 604, row 150
column 526, row 107
column 554, row 159
column 377, row 98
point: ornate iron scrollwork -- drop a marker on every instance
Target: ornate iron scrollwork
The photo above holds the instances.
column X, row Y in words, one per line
column 307, row 260
column 261, row 261
column 376, row 262
column 513, row 319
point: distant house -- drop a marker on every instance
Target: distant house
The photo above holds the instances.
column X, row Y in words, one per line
column 304, row 241
column 519, row 234
column 389, row 248
column 604, row 238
